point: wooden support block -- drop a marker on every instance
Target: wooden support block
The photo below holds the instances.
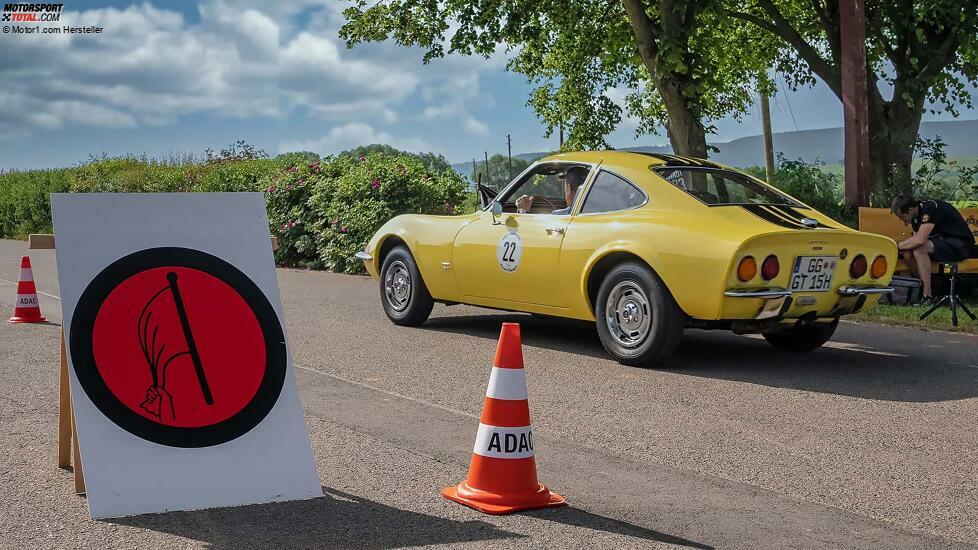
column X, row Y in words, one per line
column 64, row 411
column 40, row 241
column 79, row 476
column 274, row 243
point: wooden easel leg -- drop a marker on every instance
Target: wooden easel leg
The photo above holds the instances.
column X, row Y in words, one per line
column 79, row 476
column 64, row 411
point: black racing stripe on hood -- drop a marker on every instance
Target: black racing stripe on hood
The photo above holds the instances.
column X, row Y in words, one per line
column 772, row 208
column 796, row 215
column 769, row 216
column 673, row 160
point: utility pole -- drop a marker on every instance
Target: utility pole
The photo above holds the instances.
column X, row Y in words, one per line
column 768, row 138
column 852, row 30
column 509, row 153
column 488, row 175
column 475, row 168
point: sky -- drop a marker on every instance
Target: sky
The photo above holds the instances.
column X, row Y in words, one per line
column 168, row 78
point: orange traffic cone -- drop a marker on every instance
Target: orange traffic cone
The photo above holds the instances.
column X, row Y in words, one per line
column 27, row 309
column 503, row 473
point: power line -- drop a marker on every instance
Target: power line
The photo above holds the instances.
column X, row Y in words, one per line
column 787, row 101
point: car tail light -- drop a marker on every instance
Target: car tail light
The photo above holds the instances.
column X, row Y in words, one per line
column 770, row 268
column 746, row 269
column 858, row 267
column 878, row 269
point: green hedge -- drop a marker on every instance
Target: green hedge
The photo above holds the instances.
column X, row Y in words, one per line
column 25, row 206
column 323, row 211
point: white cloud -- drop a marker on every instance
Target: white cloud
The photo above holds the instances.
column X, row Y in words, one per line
column 352, row 135
column 475, row 126
column 150, row 66
column 452, row 100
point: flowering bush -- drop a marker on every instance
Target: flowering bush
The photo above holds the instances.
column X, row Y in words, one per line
column 325, row 212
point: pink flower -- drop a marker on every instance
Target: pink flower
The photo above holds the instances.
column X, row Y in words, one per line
column 343, row 229
column 271, row 189
column 291, row 224
column 284, row 226
column 375, row 184
column 293, row 169
column 301, row 181
column 288, row 187
column 362, row 157
column 314, row 166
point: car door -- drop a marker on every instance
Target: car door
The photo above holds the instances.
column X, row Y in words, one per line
column 513, row 258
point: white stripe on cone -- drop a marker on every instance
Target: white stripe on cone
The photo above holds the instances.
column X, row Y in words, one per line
column 497, row 442
column 507, row 384
column 26, row 274
column 27, row 300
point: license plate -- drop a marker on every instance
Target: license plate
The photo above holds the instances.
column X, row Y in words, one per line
column 813, row 273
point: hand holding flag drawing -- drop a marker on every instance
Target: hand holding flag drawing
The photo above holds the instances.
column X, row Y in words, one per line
column 159, row 402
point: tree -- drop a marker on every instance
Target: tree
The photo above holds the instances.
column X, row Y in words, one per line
column 499, row 175
column 681, row 62
column 431, row 162
column 297, row 157
column 923, row 50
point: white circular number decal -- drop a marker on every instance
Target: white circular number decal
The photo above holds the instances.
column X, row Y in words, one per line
column 509, row 251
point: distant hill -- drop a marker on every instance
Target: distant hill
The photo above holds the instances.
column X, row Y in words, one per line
column 825, row 145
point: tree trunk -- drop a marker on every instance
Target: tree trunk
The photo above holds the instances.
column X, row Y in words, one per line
column 686, row 132
column 893, row 129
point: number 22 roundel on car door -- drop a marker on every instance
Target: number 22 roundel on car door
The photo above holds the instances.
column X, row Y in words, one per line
column 178, row 347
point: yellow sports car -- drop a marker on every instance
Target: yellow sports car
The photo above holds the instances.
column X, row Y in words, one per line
column 643, row 244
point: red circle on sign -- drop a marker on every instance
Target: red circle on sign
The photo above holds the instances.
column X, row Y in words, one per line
column 145, row 353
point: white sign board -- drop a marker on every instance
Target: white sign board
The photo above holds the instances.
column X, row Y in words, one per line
column 181, row 379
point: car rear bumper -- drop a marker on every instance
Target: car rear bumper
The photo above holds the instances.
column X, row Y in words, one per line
column 775, row 303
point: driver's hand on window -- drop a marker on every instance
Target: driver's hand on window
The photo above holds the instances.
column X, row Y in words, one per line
column 524, row 202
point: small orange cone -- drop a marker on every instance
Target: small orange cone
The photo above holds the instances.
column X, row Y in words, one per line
column 27, row 309
column 503, row 473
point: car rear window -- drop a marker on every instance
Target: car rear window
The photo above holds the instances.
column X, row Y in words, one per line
column 717, row 187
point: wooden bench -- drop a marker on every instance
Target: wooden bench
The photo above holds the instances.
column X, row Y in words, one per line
column 882, row 222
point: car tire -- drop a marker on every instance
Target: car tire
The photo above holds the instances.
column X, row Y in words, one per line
column 638, row 321
column 405, row 297
column 801, row 338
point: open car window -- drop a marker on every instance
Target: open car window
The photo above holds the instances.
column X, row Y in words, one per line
column 717, row 187
column 543, row 183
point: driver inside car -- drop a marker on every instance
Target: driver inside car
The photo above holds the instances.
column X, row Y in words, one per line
column 573, row 178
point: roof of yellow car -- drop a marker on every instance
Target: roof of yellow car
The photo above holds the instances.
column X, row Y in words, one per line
column 631, row 159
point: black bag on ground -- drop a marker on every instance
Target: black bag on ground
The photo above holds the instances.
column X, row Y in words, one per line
column 907, row 291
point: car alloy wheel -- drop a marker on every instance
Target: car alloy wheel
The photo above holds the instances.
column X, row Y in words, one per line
column 397, row 285
column 628, row 314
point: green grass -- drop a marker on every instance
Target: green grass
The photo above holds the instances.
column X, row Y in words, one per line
column 907, row 316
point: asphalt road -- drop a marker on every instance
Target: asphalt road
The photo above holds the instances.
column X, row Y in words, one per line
column 867, row 443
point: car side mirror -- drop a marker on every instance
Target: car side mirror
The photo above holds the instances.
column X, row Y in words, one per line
column 497, row 209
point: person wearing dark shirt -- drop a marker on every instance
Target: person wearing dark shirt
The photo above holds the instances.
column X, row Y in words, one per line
column 939, row 234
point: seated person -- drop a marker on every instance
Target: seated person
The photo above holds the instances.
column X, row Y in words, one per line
column 939, row 234
column 573, row 178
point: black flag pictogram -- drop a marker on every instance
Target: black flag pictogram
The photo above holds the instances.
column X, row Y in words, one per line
column 159, row 402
